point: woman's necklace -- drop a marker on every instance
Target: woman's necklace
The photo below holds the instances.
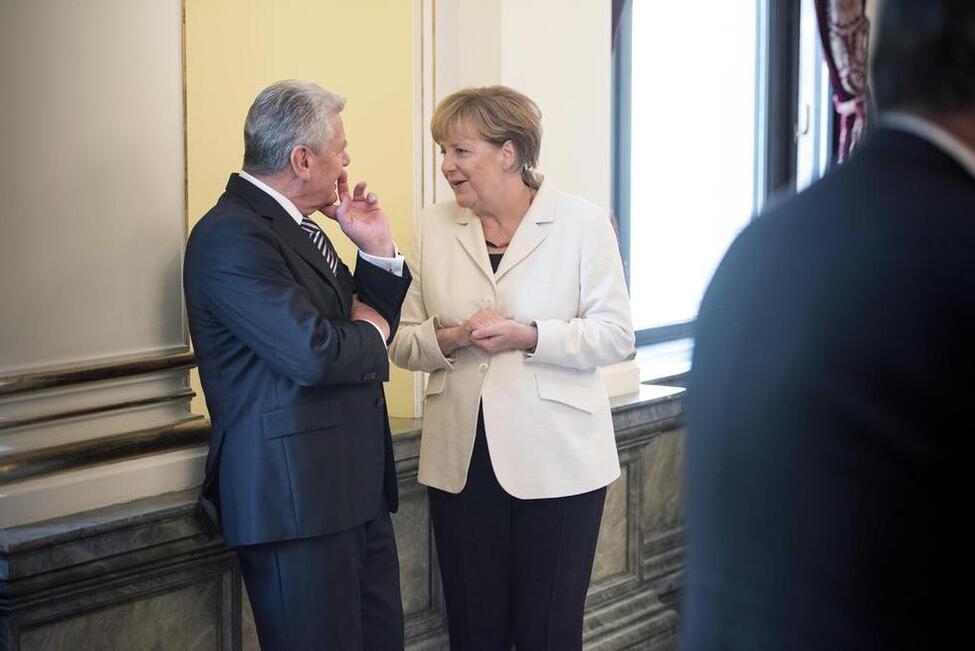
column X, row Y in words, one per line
column 492, row 245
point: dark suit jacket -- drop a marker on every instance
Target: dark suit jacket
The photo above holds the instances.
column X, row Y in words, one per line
column 300, row 442
column 828, row 419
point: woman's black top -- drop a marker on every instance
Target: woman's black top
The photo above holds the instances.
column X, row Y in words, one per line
column 495, row 260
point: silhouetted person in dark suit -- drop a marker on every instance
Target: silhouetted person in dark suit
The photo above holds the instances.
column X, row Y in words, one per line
column 829, row 408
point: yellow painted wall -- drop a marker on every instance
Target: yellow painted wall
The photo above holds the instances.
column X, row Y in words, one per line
column 362, row 50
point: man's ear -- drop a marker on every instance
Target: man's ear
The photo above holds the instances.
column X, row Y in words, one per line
column 301, row 161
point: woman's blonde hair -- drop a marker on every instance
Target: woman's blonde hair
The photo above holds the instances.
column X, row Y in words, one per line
column 498, row 114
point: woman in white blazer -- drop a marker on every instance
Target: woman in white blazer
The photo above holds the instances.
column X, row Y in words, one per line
column 517, row 298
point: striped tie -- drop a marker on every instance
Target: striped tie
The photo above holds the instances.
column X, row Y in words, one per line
column 321, row 243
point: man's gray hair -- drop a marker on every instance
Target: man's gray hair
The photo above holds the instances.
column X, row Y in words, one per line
column 285, row 115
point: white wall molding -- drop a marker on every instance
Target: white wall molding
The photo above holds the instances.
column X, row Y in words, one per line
column 69, row 492
column 93, row 175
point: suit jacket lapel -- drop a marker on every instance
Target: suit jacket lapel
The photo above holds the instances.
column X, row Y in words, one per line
column 284, row 225
column 291, row 233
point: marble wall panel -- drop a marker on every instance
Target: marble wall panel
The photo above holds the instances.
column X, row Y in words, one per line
column 611, row 551
column 249, row 641
column 147, row 578
column 412, row 527
column 187, row 618
column 662, row 463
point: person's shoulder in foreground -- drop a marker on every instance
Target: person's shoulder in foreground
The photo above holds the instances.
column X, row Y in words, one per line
column 830, row 379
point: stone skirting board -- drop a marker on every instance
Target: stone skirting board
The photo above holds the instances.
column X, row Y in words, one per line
column 143, row 575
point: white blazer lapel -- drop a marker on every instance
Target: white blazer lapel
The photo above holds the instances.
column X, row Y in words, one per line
column 471, row 237
column 527, row 238
column 530, row 234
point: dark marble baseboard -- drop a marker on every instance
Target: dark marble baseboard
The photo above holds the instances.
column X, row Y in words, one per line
column 126, row 577
column 639, row 620
column 145, row 575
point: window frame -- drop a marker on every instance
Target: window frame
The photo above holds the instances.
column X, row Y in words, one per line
column 777, row 62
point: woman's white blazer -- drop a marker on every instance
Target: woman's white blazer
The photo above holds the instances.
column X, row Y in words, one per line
column 546, row 414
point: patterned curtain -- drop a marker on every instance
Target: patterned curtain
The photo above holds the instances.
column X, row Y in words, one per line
column 845, row 32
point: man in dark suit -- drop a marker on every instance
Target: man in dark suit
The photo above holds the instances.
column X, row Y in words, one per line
column 291, row 348
column 828, row 407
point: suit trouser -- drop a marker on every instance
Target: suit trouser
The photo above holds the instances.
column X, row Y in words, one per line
column 514, row 571
column 337, row 592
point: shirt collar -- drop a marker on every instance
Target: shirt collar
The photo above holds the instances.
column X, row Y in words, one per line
column 950, row 144
column 277, row 196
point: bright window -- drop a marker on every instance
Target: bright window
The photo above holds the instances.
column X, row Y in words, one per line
column 693, row 150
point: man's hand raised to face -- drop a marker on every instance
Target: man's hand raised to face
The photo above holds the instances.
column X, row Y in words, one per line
column 362, row 219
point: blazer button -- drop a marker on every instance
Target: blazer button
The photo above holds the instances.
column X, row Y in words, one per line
column 483, row 367
column 379, row 403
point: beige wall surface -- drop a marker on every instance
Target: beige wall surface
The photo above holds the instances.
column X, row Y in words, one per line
column 560, row 53
column 556, row 52
column 361, row 50
column 231, row 50
column 91, row 177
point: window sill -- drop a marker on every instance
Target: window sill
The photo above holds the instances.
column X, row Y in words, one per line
column 667, row 363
